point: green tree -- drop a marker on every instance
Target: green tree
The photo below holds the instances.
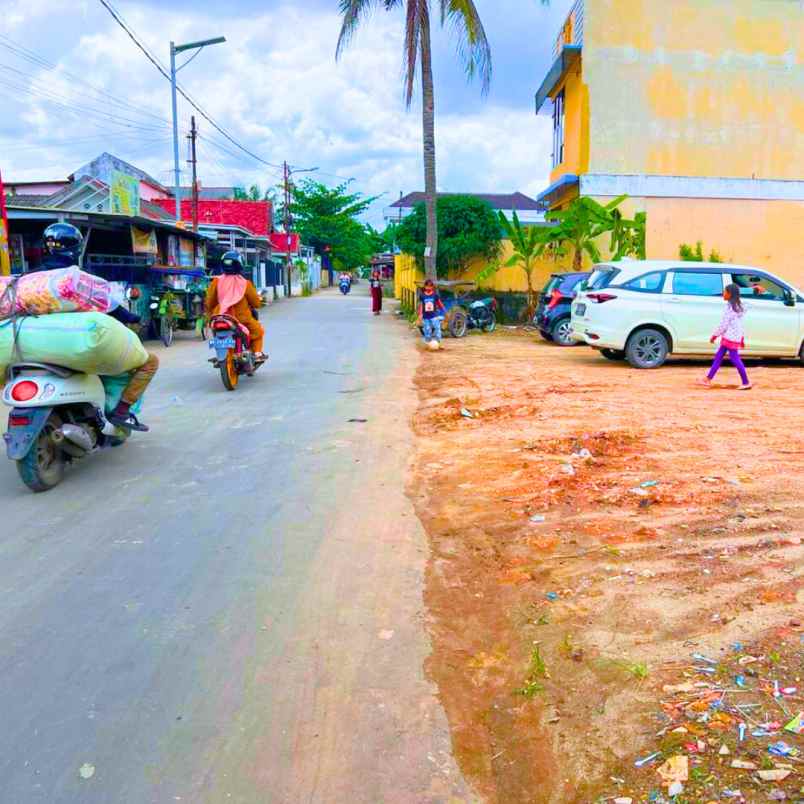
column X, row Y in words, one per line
column 468, row 228
column 254, row 193
column 474, row 49
column 327, row 217
column 529, row 243
column 585, row 220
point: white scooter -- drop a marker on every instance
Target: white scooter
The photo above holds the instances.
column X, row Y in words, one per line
column 57, row 417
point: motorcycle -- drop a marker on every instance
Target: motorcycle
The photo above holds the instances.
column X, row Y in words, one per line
column 233, row 356
column 345, row 286
column 57, row 417
column 482, row 315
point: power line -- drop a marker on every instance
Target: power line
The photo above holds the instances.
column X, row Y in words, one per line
column 133, row 36
column 22, row 52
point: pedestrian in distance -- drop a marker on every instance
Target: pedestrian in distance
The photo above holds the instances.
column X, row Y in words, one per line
column 732, row 338
column 375, row 283
column 431, row 313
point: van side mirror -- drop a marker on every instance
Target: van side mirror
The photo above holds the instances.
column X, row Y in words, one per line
column 789, row 298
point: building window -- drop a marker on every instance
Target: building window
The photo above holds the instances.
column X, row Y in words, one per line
column 558, row 129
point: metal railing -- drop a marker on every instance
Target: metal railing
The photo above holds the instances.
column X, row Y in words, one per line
column 572, row 30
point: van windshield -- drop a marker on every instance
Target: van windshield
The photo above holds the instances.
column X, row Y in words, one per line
column 601, row 278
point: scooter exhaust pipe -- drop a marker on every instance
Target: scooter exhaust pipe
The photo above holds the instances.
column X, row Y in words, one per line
column 71, row 435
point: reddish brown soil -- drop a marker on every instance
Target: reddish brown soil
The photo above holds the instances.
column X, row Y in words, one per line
column 710, row 555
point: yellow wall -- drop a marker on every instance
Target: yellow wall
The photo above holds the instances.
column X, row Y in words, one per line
column 695, row 87
column 765, row 234
column 505, row 280
column 576, row 124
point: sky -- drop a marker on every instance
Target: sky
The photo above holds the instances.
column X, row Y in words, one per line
column 72, row 85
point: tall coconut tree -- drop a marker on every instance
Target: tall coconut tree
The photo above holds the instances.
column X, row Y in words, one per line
column 474, row 50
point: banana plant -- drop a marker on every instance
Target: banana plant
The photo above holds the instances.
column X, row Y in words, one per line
column 529, row 243
column 584, row 221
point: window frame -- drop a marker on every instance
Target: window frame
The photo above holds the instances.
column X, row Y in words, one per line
column 786, row 289
column 661, row 271
column 559, row 126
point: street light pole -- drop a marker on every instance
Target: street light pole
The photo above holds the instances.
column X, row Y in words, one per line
column 174, row 51
column 176, row 173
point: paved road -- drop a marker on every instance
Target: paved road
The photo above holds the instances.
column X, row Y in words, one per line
column 229, row 608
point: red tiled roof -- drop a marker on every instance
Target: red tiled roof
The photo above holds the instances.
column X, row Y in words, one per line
column 254, row 216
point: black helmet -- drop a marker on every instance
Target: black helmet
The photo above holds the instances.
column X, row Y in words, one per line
column 63, row 243
column 232, row 263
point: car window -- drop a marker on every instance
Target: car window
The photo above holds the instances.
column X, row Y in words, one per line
column 554, row 282
column 647, row 283
column 754, row 286
column 601, row 278
column 691, row 283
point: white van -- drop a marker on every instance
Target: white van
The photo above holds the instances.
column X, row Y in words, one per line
column 645, row 310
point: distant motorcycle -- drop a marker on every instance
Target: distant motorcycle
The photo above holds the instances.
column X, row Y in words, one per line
column 345, row 285
column 233, row 356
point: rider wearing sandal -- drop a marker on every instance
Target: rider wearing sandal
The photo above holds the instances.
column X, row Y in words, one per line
column 234, row 295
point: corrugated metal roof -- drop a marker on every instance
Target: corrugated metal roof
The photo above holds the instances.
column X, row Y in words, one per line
column 518, row 201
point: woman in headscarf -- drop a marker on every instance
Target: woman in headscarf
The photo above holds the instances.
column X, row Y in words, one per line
column 375, row 283
column 234, row 295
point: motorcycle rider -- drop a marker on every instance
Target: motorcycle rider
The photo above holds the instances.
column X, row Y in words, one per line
column 233, row 295
column 63, row 249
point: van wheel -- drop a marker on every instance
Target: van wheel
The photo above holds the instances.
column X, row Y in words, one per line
column 613, row 354
column 43, row 467
column 647, row 349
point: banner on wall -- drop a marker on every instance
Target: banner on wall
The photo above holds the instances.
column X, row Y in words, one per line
column 186, row 253
column 143, row 241
column 5, row 258
column 124, row 194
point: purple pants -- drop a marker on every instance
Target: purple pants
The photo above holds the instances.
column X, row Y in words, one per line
column 736, row 361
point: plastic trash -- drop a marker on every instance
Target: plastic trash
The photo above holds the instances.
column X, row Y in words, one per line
column 796, row 725
column 675, row 789
column 538, row 518
column 782, row 749
column 676, row 769
column 467, row 414
column 775, row 775
column 648, row 759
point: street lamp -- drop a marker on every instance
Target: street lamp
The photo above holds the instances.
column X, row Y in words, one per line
column 174, row 49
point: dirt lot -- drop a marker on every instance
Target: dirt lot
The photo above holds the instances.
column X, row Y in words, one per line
column 568, row 588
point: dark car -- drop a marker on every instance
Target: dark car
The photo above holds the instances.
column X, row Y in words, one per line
column 553, row 311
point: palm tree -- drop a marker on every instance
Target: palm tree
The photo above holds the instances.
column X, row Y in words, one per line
column 473, row 48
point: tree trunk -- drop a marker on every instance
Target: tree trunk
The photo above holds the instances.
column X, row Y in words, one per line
column 577, row 262
column 428, row 132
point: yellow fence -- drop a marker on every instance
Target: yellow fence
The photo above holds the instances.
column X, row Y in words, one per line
column 506, row 280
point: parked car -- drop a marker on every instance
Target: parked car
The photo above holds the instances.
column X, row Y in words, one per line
column 643, row 311
column 552, row 316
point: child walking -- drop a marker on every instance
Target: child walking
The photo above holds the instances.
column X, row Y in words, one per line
column 732, row 337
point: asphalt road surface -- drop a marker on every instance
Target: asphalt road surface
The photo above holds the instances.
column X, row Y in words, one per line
column 229, row 608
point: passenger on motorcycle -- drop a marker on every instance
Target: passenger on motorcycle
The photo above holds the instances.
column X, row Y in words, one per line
column 234, row 295
column 63, row 247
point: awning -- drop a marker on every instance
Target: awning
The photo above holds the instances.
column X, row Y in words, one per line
column 556, row 190
column 568, row 56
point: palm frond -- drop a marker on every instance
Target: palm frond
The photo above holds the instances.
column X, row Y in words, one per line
column 353, row 12
column 416, row 13
column 473, row 44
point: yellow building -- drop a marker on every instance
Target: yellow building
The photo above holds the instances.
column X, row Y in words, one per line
column 695, row 110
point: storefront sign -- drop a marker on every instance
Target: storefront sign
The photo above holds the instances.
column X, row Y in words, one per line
column 5, row 259
column 143, row 242
column 124, row 194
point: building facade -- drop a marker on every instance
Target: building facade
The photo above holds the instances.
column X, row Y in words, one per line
column 695, row 110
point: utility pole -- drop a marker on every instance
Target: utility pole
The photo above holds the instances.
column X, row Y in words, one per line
column 194, row 161
column 287, row 172
column 288, row 222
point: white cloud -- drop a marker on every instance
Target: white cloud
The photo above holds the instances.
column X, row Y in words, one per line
column 275, row 86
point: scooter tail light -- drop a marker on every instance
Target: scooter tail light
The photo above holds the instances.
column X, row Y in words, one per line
column 16, row 420
column 600, row 298
column 221, row 325
column 24, row 391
